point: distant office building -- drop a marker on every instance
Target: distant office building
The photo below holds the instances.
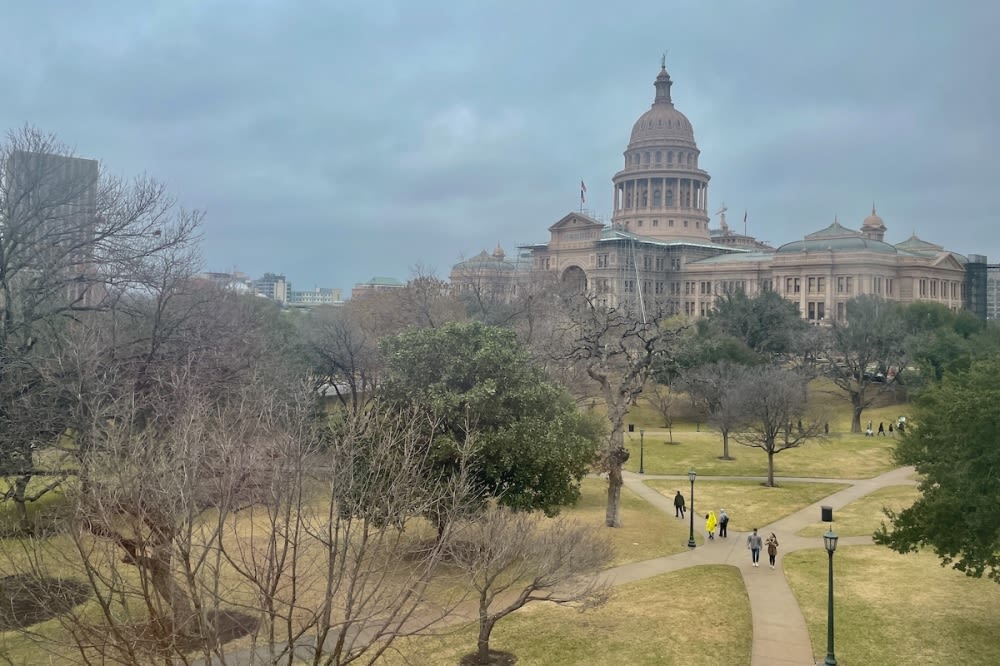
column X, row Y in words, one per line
column 49, row 221
column 272, row 286
column 235, row 281
column 318, row 296
column 993, row 291
column 374, row 285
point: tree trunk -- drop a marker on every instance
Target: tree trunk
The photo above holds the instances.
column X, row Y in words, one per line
column 725, row 445
column 770, row 467
column 182, row 616
column 20, row 489
column 857, row 408
column 615, row 458
column 486, row 625
column 613, row 515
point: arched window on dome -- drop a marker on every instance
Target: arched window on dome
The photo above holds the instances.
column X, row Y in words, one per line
column 659, row 156
column 670, row 157
column 647, row 157
column 645, row 198
column 690, row 158
column 656, row 198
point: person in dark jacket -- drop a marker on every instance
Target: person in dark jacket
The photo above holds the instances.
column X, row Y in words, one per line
column 678, row 505
column 723, row 524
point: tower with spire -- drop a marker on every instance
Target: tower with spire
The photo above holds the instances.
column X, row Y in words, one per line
column 662, row 192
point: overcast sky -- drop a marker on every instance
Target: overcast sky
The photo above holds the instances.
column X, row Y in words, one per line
column 336, row 141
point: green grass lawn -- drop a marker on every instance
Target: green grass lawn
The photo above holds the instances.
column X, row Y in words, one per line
column 863, row 516
column 842, row 456
column 645, row 532
column 896, row 609
column 696, row 616
column 748, row 503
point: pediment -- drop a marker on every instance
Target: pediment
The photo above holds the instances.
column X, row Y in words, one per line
column 947, row 260
column 576, row 221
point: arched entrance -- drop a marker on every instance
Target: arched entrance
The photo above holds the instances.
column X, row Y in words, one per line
column 575, row 279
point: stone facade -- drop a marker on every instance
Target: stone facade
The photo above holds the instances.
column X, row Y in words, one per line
column 658, row 249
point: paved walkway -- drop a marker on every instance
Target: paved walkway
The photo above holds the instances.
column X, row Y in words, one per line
column 780, row 637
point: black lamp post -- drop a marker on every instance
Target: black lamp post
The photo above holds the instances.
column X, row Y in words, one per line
column 691, row 475
column 642, row 434
column 830, row 541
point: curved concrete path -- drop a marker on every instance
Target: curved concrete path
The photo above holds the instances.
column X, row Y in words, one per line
column 780, row 637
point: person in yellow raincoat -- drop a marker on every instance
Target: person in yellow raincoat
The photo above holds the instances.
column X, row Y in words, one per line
column 710, row 522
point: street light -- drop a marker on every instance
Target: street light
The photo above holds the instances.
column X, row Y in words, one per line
column 830, row 541
column 691, row 475
column 642, row 433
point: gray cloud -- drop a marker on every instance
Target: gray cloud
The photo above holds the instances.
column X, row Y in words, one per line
column 336, row 141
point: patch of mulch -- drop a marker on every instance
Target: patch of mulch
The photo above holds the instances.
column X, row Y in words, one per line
column 26, row 600
column 157, row 641
column 497, row 658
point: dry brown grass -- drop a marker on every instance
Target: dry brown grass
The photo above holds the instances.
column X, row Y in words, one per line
column 645, row 532
column 891, row 608
column 700, row 616
column 748, row 503
column 863, row 516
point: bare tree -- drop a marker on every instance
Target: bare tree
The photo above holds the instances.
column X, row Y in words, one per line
column 72, row 239
column 718, row 388
column 343, row 355
column 512, row 559
column 773, row 404
column 663, row 400
column 328, row 562
column 865, row 354
column 615, row 349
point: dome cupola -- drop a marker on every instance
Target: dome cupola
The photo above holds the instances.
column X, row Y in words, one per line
column 662, row 192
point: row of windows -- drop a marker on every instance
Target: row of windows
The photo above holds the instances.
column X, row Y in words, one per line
column 649, row 263
column 941, row 288
column 816, row 284
column 670, row 223
column 642, row 198
column 646, row 158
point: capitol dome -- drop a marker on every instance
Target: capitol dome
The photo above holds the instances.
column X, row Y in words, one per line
column 663, row 123
column 662, row 192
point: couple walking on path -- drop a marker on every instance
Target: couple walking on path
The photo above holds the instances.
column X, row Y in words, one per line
column 754, row 543
column 722, row 521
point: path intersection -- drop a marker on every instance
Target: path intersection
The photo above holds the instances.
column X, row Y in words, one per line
column 780, row 637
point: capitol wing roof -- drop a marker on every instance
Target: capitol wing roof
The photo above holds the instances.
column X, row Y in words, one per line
column 919, row 246
column 611, row 234
column 754, row 257
column 837, row 238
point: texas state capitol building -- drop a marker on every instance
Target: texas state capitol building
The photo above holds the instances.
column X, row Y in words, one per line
column 659, row 249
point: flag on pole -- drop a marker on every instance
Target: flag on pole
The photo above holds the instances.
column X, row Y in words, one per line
column 744, row 218
column 583, row 193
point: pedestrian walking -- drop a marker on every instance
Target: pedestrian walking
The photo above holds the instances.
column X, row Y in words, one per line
column 723, row 524
column 890, row 430
column 772, row 548
column 678, row 505
column 754, row 543
column 881, row 429
column 710, row 522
